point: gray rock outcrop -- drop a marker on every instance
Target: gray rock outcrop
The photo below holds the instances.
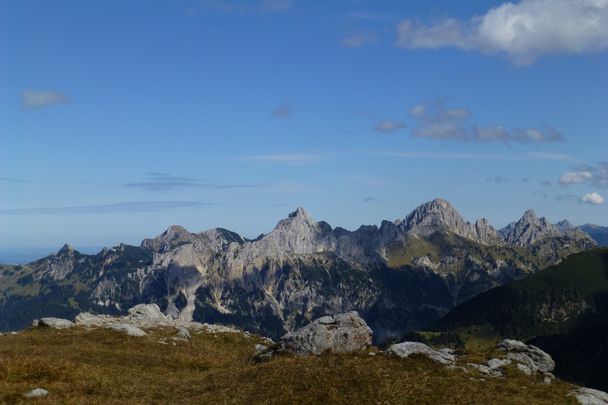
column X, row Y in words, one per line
column 129, row 329
column 530, row 356
column 589, row 396
column 343, row 333
column 53, row 323
column 406, row 349
column 147, row 316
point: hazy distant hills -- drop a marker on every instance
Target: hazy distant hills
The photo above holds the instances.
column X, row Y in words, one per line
column 400, row 276
column 598, row 233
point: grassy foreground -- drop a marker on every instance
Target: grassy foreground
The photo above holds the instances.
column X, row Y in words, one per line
column 79, row 366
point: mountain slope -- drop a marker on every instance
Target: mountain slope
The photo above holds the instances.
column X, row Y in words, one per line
column 597, row 233
column 562, row 309
column 400, row 276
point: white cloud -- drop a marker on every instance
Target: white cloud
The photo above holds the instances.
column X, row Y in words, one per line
column 575, row 177
column 521, row 31
column 436, row 121
column 595, row 175
column 388, row 126
column 41, row 99
column 358, row 40
column 593, row 198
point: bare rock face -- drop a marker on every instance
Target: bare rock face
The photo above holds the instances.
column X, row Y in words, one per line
column 406, row 349
column 342, row 333
column 174, row 236
column 147, row 316
column 530, row 356
column 528, row 230
column 59, row 266
column 439, row 215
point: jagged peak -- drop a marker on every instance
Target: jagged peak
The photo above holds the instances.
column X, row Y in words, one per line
column 439, row 209
column 529, row 229
column 300, row 212
column 296, row 218
column 66, row 249
column 175, row 230
column 172, row 236
column 438, row 204
column 564, row 225
column 529, row 216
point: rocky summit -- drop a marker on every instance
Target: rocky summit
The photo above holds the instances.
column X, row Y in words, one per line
column 401, row 276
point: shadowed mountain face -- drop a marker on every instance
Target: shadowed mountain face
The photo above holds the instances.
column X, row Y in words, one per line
column 598, row 233
column 562, row 309
column 400, row 276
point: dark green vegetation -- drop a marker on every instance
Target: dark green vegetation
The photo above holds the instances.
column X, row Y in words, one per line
column 562, row 309
column 79, row 366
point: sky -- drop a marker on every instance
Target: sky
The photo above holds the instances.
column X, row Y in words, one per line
column 120, row 118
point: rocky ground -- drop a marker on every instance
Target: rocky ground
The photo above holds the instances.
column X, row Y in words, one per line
column 146, row 357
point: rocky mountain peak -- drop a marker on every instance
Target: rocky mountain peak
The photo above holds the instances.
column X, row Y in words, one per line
column 433, row 216
column 301, row 213
column 440, row 215
column 298, row 233
column 529, row 216
column 564, row 225
column 175, row 235
column 528, row 230
column 175, row 231
column 297, row 220
column 65, row 249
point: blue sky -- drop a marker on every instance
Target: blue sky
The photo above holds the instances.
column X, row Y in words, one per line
column 120, row 118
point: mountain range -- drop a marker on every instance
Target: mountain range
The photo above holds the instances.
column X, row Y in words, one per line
column 403, row 275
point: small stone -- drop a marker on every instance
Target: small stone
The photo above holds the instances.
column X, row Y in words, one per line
column 128, row 329
column 37, row 393
column 183, row 332
column 54, row 323
column 262, row 352
column 406, row 349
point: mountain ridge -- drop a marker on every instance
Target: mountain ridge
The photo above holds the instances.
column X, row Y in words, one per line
column 399, row 276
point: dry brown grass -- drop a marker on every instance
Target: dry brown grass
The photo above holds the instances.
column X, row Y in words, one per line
column 102, row 367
